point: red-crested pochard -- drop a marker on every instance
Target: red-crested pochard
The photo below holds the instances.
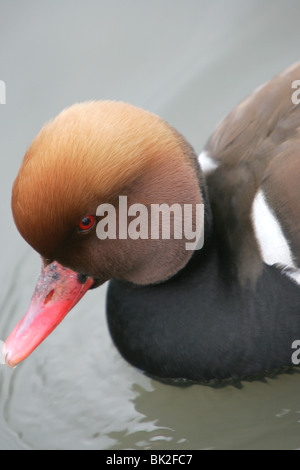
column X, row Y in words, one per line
column 229, row 309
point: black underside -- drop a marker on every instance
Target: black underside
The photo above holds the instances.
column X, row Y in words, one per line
column 202, row 326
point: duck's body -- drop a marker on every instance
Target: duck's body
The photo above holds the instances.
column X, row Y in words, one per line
column 201, row 325
column 230, row 309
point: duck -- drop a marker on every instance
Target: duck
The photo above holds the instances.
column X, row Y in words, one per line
column 226, row 308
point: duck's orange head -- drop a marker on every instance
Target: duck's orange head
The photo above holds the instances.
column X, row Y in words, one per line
column 89, row 156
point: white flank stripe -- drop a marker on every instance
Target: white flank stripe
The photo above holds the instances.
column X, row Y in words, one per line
column 273, row 244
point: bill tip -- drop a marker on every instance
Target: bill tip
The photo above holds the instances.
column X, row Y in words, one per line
column 4, row 356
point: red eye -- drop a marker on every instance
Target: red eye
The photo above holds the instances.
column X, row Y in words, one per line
column 86, row 223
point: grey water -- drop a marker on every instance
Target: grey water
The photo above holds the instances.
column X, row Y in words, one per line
column 190, row 62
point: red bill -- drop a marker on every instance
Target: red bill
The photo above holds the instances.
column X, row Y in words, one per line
column 58, row 289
